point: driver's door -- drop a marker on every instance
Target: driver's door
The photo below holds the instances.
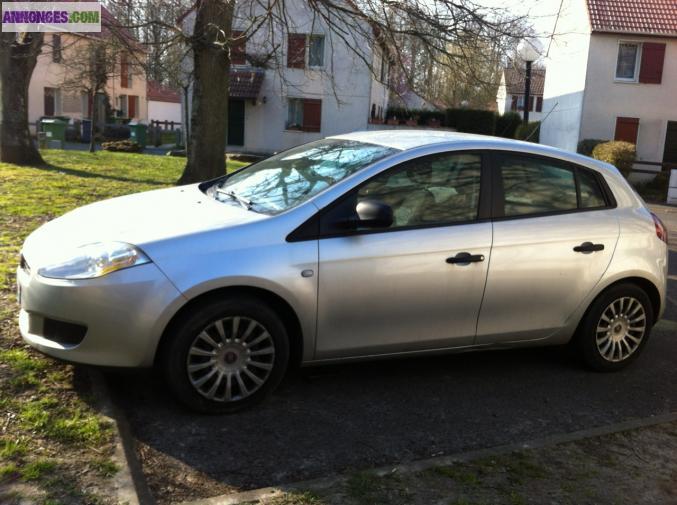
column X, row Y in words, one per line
column 400, row 288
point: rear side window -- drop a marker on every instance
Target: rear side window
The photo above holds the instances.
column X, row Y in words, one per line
column 591, row 192
column 534, row 186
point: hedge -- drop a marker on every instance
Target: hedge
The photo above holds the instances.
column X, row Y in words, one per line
column 620, row 154
column 530, row 132
column 471, row 120
column 586, row 146
column 507, row 124
column 422, row 116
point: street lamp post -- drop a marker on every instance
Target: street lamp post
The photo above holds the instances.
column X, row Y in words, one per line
column 528, row 51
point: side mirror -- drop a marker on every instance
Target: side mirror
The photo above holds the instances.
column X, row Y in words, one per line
column 374, row 214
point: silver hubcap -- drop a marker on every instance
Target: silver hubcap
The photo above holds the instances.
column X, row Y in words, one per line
column 620, row 329
column 230, row 359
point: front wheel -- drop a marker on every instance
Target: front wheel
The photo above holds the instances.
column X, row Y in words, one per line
column 616, row 328
column 225, row 355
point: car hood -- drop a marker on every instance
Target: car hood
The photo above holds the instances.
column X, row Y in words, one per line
column 140, row 219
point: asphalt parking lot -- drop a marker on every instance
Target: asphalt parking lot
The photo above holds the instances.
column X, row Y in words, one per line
column 334, row 419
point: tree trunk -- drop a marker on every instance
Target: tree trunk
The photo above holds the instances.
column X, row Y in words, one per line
column 95, row 118
column 18, row 56
column 209, row 116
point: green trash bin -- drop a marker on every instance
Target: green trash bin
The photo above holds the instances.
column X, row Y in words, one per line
column 54, row 128
column 138, row 133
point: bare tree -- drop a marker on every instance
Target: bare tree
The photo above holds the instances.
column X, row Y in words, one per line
column 89, row 64
column 18, row 57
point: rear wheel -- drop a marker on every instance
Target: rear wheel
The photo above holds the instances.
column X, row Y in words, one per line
column 616, row 328
column 226, row 355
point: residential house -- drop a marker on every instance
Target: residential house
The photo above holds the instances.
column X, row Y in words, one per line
column 305, row 84
column 47, row 95
column 612, row 74
column 510, row 95
column 164, row 103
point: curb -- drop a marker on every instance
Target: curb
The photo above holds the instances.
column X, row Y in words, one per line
column 268, row 493
column 129, row 482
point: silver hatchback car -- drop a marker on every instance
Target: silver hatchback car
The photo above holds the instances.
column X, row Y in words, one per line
column 366, row 245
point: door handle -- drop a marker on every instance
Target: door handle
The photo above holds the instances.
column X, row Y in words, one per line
column 464, row 258
column 587, row 247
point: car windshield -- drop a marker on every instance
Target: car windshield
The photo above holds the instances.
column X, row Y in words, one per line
column 292, row 177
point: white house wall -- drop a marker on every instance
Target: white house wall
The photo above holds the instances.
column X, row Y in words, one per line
column 606, row 99
column 164, row 111
column 565, row 80
column 345, row 85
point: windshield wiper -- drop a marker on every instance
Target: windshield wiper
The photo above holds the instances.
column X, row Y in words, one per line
column 247, row 204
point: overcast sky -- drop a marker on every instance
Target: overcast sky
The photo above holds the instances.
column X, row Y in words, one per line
column 542, row 13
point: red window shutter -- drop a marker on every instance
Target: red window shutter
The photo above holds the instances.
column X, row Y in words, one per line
column 626, row 129
column 539, row 104
column 124, row 71
column 513, row 104
column 296, row 51
column 651, row 69
column 312, row 115
column 238, row 54
column 131, row 106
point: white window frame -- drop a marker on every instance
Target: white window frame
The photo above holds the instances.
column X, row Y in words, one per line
column 638, row 62
column 309, row 36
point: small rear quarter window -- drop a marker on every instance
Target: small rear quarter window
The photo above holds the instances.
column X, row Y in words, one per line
column 590, row 190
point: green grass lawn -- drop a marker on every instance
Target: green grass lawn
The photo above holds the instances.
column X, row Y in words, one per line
column 53, row 443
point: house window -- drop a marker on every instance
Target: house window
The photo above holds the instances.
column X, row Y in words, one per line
column 316, row 51
column 627, row 129
column 50, row 101
column 539, row 104
column 122, row 102
column 238, row 49
column 627, row 63
column 296, row 50
column 124, row 71
column 384, row 71
column 56, row 48
column 304, row 114
column 513, row 103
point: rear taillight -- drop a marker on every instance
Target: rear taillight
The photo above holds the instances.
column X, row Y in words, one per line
column 661, row 230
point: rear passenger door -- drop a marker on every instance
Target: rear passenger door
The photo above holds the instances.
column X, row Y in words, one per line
column 554, row 233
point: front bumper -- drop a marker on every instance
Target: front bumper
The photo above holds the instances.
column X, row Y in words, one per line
column 123, row 314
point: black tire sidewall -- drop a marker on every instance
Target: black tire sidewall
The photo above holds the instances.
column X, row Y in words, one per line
column 587, row 334
column 175, row 351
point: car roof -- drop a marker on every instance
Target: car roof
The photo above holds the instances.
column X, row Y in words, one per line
column 411, row 139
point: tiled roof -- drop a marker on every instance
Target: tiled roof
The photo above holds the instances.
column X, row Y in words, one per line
column 245, row 83
column 159, row 93
column 514, row 80
column 651, row 17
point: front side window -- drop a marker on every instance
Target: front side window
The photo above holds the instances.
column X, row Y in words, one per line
column 535, row 186
column 285, row 180
column 626, row 64
column 435, row 190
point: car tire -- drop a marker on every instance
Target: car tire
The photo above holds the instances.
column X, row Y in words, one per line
column 240, row 342
column 616, row 328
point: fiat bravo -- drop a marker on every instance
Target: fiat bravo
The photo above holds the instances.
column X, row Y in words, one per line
column 359, row 246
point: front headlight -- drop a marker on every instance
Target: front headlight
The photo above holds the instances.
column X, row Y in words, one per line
column 94, row 260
